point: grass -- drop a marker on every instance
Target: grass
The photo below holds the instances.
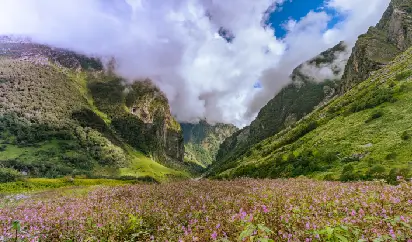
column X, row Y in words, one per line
column 80, row 81
column 141, row 166
column 14, row 151
column 239, row 210
column 41, row 184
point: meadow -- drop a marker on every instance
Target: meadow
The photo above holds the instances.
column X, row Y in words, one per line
column 239, row 210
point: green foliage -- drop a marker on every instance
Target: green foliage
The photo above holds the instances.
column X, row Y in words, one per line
column 374, row 115
column 396, row 173
column 377, row 172
column 403, row 75
column 341, row 233
column 202, row 140
column 39, row 184
column 405, row 135
column 348, row 174
column 257, row 232
column 372, row 99
column 9, row 175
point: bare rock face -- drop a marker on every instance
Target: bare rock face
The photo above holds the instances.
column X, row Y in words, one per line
column 148, row 104
column 380, row 45
column 25, row 50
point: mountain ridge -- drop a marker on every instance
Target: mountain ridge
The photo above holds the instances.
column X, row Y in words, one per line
column 293, row 102
column 62, row 114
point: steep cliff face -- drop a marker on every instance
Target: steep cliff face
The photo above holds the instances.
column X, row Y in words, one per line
column 202, row 141
column 140, row 114
column 380, row 45
column 61, row 114
column 313, row 84
column 149, row 104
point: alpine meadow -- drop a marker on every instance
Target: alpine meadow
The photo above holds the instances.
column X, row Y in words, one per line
column 202, row 120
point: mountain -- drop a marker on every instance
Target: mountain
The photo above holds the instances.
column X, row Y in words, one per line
column 380, row 45
column 62, row 114
column 364, row 133
column 310, row 88
column 202, row 141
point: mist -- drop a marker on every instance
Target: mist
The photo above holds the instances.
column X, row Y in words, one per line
column 177, row 44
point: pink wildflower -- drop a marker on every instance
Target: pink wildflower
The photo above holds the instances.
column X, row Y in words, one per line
column 214, row 235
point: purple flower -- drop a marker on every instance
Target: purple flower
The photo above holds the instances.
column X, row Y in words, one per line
column 214, row 235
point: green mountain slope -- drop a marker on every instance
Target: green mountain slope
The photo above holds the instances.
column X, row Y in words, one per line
column 60, row 114
column 381, row 44
column 290, row 105
column 364, row 134
column 202, row 141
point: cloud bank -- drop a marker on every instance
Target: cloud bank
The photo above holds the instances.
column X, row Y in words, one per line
column 177, row 44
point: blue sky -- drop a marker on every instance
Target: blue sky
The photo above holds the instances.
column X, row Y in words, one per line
column 296, row 10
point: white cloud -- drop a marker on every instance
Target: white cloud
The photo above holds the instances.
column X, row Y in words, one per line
column 176, row 44
column 360, row 16
column 309, row 36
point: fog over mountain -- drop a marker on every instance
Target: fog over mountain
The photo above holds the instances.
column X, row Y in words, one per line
column 179, row 44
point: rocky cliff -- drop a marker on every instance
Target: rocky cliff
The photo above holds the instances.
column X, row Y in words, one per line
column 380, row 45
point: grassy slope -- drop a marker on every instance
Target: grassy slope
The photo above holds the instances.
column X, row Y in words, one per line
column 143, row 166
column 60, row 85
column 342, row 133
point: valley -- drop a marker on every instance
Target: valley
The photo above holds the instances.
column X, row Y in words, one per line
column 90, row 153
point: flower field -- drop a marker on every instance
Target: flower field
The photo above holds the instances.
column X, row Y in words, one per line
column 240, row 210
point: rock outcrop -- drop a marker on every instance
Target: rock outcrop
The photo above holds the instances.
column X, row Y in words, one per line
column 380, row 45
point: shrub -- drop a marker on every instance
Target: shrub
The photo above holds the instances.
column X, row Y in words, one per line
column 405, row 135
column 395, row 173
column 9, row 175
column 329, row 177
column 374, row 115
column 403, row 75
column 377, row 172
column 349, row 159
column 371, row 100
column 390, row 156
column 348, row 174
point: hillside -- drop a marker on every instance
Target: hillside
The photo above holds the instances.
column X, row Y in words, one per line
column 291, row 104
column 364, row 134
column 292, row 155
column 61, row 114
column 202, row 141
column 380, row 45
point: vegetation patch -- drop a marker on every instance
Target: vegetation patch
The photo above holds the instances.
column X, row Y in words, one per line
column 38, row 184
column 239, row 210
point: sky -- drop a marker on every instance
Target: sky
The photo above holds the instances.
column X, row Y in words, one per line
column 298, row 9
column 219, row 60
